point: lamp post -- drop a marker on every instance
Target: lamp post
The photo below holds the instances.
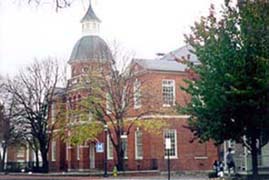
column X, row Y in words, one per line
column 105, row 150
column 168, row 147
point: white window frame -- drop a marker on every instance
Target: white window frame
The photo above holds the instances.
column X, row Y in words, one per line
column 174, row 91
column 78, row 152
column 109, row 148
column 175, row 143
column 53, row 112
column 20, row 152
column 136, row 144
column 53, row 151
column 137, row 94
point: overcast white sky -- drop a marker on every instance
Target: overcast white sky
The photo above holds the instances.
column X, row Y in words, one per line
column 143, row 26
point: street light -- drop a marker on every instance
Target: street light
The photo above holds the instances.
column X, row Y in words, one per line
column 168, row 147
column 105, row 149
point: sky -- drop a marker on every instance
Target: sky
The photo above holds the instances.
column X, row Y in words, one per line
column 145, row 27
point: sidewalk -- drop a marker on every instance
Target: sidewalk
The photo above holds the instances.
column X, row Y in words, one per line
column 148, row 175
column 37, row 177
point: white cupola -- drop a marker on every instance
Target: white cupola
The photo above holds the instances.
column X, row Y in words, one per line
column 90, row 23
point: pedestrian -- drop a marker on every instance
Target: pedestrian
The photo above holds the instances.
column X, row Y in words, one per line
column 230, row 161
column 220, row 169
column 215, row 167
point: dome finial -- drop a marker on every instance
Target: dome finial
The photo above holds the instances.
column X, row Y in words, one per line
column 90, row 15
column 90, row 22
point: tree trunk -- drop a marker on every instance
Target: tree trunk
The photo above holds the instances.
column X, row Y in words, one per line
column 120, row 157
column 2, row 166
column 37, row 159
column 45, row 163
column 254, row 158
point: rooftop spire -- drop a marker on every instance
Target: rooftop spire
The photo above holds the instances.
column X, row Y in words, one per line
column 90, row 15
column 90, row 22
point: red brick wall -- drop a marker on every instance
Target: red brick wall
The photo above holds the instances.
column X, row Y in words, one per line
column 191, row 155
column 152, row 92
column 188, row 153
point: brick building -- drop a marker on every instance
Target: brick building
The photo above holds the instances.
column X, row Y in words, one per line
column 144, row 150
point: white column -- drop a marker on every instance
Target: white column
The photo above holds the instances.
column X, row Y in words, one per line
column 246, row 158
column 224, row 153
column 27, row 153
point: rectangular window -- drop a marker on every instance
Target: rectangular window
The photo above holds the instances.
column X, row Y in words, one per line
column 109, row 148
column 53, row 113
column 78, row 153
column 108, row 103
column 137, row 94
column 125, row 147
column 172, row 134
column 168, row 90
column 20, row 152
column 53, row 151
column 138, row 145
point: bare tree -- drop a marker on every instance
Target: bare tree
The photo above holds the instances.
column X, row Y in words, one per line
column 9, row 133
column 2, row 137
column 58, row 4
column 113, row 89
column 33, row 89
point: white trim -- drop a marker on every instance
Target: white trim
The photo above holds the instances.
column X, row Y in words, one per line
column 83, row 146
column 200, row 157
column 162, row 116
column 136, row 149
column 133, row 118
